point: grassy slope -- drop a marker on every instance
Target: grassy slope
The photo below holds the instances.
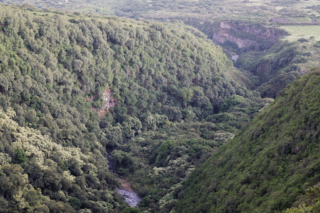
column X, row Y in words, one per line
column 298, row 32
column 269, row 163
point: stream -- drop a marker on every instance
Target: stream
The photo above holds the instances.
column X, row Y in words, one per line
column 126, row 191
column 235, row 58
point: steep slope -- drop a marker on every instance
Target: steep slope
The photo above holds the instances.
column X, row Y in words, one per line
column 281, row 64
column 269, row 163
column 49, row 177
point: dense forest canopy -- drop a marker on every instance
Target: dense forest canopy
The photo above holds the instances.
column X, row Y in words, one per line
column 187, row 129
column 72, row 86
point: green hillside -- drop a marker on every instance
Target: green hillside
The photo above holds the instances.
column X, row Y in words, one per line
column 164, row 99
column 269, row 163
column 73, row 86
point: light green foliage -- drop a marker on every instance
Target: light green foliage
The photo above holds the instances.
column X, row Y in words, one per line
column 298, row 32
column 231, row 101
column 185, row 9
column 256, row 22
column 35, row 151
column 22, row 195
column 30, row 143
column 307, row 203
column 4, row 158
column 223, row 137
column 85, row 211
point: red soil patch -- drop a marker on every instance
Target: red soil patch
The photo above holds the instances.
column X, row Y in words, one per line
column 110, row 102
column 125, row 185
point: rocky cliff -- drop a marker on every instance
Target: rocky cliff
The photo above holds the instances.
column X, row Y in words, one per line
column 245, row 35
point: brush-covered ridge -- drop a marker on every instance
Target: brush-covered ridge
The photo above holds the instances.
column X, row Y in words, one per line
column 269, row 163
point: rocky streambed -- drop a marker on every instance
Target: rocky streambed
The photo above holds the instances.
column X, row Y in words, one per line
column 125, row 191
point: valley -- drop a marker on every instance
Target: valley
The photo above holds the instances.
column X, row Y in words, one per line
column 159, row 106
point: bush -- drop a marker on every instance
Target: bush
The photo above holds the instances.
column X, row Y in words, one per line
column 20, row 157
column 131, row 210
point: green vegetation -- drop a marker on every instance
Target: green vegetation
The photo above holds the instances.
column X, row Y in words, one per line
column 255, row 26
column 41, row 184
column 298, row 11
column 73, row 86
column 163, row 99
column 308, row 202
column 268, row 164
column 281, row 64
column 156, row 163
column 298, row 32
column 20, row 157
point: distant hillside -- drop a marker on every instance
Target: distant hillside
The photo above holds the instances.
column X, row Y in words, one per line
column 255, row 26
column 269, row 163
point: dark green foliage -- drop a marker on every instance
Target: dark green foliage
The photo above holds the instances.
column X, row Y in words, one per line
column 3, row 204
column 269, row 163
column 75, row 203
column 131, row 210
column 20, row 157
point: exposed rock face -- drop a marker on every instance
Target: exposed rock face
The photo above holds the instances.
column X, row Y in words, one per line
column 246, row 35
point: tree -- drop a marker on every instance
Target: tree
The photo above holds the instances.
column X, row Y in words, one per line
column 20, row 157
column 3, row 205
column 75, row 203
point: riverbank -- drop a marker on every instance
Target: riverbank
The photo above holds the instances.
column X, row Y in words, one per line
column 126, row 190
